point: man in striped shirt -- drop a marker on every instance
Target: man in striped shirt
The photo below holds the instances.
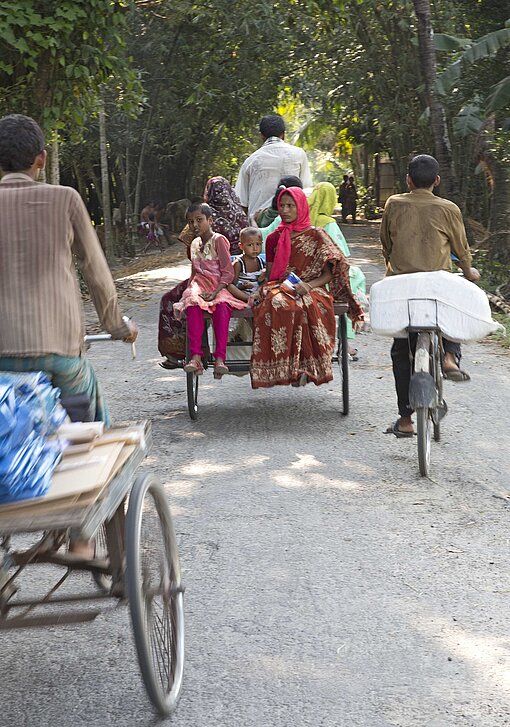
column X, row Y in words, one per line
column 44, row 228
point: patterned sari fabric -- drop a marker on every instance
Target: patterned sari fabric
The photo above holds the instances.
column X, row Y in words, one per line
column 294, row 336
column 171, row 336
column 229, row 217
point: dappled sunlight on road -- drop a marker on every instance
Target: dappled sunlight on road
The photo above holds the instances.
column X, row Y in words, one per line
column 291, row 480
column 489, row 656
column 176, row 272
column 205, row 467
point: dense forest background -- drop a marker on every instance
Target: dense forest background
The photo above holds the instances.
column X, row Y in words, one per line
column 144, row 99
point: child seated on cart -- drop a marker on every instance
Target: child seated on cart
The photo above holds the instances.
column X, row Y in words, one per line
column 211, row 274
column 249, row 268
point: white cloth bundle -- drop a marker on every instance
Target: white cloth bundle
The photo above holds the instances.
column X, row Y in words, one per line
column 459, row 308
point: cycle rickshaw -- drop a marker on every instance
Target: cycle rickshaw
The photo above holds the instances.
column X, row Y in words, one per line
column 239, row 365
column 135, row 554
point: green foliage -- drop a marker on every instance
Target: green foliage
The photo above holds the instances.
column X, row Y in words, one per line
column 484, row 48
column 57, row 54
column 502, row 337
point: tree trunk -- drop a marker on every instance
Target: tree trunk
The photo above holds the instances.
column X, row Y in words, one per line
column 139, row 174
column 105, row 185
column 54, row 163
column 442, row 144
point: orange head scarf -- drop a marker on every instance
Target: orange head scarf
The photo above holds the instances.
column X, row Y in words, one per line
column 302, row 222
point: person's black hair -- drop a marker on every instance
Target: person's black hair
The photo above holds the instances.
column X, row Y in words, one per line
column 21, row 140
column 423, row 170
column 284, row 182
column 351, row 179
column 250, row 232
column 346, row 177
column 272, row 125
column 200, row 207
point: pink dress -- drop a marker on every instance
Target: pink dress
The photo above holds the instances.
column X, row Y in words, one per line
column 210, row 266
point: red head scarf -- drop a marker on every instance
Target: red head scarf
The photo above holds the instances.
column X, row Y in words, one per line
column 302, row 222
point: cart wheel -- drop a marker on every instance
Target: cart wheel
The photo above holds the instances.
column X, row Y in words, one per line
column 344, row 364
column 155, row 593
column 192, row 390
column 423, row 422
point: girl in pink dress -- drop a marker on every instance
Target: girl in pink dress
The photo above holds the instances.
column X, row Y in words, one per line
column 211, row 273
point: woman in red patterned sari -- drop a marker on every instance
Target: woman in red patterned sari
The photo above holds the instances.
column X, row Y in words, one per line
column 294, row 334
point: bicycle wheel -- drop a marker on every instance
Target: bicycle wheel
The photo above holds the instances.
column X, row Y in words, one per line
column 423, row 431
column 192, row 393
column 155, row 593
column 344, row 364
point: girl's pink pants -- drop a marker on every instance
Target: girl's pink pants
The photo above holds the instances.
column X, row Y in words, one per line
column 220, row 321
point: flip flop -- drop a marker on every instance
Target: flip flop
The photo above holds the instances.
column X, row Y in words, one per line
column 393, row 429
column 220, row 370
column 170, row 364
column 456, row 375
column 194, row 367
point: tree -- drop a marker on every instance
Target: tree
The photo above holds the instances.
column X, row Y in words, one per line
column 442, row 144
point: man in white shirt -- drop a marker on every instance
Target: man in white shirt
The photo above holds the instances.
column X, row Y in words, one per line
column 260, row 173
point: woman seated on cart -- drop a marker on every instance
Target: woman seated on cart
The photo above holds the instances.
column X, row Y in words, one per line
column 294, row 333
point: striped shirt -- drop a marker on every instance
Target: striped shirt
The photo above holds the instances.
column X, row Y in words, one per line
column 44, row 229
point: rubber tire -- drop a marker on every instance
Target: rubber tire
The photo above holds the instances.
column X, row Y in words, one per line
column 192, row 393
column 423, row 426
column 103, row 582
column 146, row 488
column 344, row 359
column 438, row 376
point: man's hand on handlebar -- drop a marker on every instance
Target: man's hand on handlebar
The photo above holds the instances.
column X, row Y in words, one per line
column 134, row 332
column 471, row 274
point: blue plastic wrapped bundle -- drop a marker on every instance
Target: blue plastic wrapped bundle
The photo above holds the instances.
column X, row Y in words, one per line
column 28, row 413
column 42, row 397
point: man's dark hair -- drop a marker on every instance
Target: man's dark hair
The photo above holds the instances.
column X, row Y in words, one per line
column 272, row 125
column 423, row 170
column 200, row 207
column 21, row 140
column 284, row 182
column 346, row 177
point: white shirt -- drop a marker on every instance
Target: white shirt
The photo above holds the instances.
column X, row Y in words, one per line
column 260, row 173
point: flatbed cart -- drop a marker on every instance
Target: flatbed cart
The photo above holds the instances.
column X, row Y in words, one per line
column 340, row 356
column 135, row 560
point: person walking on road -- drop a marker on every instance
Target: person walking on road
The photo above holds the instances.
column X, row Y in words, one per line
column 419, row 233
column 349, row 200
column 261, row 172
column 44, row 228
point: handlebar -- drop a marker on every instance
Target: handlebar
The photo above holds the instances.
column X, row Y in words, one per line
column 95, row 338
column 98, row 337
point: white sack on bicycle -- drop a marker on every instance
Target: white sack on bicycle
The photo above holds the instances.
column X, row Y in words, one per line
column 439, row 299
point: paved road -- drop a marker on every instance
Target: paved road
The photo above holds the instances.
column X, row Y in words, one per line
column 327, row 583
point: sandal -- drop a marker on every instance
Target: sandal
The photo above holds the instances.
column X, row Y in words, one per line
column 393, row 429
column 170, row 363
column 220, row 369
column 194, row 367
column 456, row 375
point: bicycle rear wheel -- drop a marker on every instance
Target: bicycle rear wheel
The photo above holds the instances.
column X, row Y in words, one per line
column 423, row 430
column 192, row 394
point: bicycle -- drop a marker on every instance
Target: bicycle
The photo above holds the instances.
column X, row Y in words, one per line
column 426, row 387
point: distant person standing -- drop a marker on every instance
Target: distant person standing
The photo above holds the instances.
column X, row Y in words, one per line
column 341, row 190
column 261, row 172
column 350, row 200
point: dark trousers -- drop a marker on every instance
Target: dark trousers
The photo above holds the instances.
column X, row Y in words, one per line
column 402, row 355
